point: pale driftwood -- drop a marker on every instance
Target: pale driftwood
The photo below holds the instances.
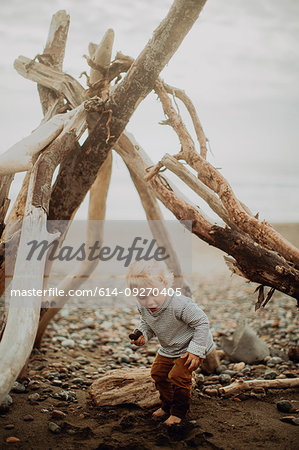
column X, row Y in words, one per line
column 96, row 210
column 193, row 114
column 19, row 157
column 262, row 232
column 23, row 315
column 197, row 186
column 155, row 220
column 241, row 385
column 53, row 79
column 53, row 55
column 73, row 183
column 125, row 386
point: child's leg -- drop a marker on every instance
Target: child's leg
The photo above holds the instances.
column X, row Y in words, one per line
column 159, row 372
column 181, row 377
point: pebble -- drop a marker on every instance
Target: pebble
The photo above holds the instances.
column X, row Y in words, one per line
column 18, row 388
column 284, row 406
column 270, row 374
column 28, row 418
column 9, row 426
column 34, row 385
column 56, row 382
column 275, row 360
column 68, row 343
column 57, row 414
column 239, row 366
column 68, row 396
column 34, row 397
column 8, row 400
column 54, row 428
column 224, row 378
column 220, row 369
column 12, row 440
column 78, row 380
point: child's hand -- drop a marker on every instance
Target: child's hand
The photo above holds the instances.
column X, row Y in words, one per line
column 140, row 341
column 192, row 361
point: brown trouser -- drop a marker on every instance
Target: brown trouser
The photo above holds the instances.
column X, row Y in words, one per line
column 174, row 383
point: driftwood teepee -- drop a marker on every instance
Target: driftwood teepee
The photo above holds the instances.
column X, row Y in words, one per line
column 257, row 252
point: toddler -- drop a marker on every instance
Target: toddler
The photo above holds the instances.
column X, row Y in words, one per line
column 182, row 329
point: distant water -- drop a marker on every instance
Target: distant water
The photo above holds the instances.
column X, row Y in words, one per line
column 239, row 64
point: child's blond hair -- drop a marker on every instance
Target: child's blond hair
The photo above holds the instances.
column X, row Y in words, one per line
column 148, row 274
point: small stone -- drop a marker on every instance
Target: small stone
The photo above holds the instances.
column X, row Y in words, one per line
column 220, row 369
column 239, row 366
column 224, row 378
column 295, row 421
column 56, row 382
column 28, row 418
column 68, row 343
column 18, row 388
column 57, row 414
column 270, row 374
column 9, row 426
column 34, row 397
column 8, row 400
column 78, row 380
column 284, row 406
column 54, row 428
column 232, row 373
column 212, row 392
column 123, row 358
column 275, row 360
column 288, row 419
column 200, row 378
column 89, row 321
column 34, row 385
column 12, row 440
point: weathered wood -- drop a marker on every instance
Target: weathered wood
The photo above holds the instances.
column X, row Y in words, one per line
column 79, row 171
column 53, row 56
column 19, row 157
column 53, row 79
column 197, row 186
column 155, row 219
column 123, row 386
column 241, row 385
column 262, row 232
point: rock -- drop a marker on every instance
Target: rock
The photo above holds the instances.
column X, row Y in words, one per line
column 288, row 419
column 239, row 366
column 68, row 396
column 54, row 428
column 245, row 345
column 211, row 391
column 124, row 358
column 78, row 380
column 295, row 421
column 270, row 374
column 28, row 418
column 284, row 406
column 9, row 426
column 34, row 397
column 34, row 385
column 12, row 440
column 120, row 386
column 224, row 378
column 56, row 414
column 88, row 321
column 68, row 343
column 56, row 382
column 275, row 360
column 18, row 388
column 229, row 372
column 220, row 369
column 8, row 400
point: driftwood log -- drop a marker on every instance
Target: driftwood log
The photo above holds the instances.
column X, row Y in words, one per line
column 241, row 385
column 257, row 252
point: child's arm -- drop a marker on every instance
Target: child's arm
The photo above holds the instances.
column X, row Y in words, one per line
column 198, row 320
column 145, row 328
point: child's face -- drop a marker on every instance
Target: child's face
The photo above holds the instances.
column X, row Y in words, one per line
column 153, row 302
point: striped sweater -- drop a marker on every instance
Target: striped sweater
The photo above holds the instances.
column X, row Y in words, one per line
column 180, row 326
